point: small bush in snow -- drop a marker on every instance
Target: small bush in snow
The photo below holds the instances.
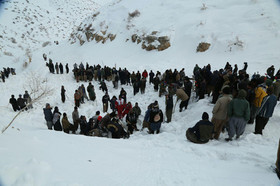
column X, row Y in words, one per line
column 136, row 13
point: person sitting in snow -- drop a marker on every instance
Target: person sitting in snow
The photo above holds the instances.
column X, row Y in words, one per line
column 202, row 131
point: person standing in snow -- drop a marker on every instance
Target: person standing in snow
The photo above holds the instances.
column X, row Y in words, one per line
column 67, row 126
column 14, row 104
column 77, row 98
column 61, row 68
column 219, row 111
column 21, row 102
column 76, row 118
column 181, row 95
column 28, row 100
column 48, row 116
column 91, row 93
column 105, row 100
column 266, row 110
column 202, row 131
column 67, row 68
column 239, row 115
column 169, row 107
column 56, row 68
column 56, row 119
column 62, row 94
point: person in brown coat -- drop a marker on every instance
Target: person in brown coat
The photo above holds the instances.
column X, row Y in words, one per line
column 181, row 95
column 219, row 118
column 77, row 97
column 67, row 126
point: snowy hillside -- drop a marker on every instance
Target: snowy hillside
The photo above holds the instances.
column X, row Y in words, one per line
column 238, row 31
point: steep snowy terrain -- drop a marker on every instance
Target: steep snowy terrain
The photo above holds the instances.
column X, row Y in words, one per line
column 238, row 31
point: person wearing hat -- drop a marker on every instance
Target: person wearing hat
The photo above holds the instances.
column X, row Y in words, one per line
column 239, row 114
column 202, row 131
column 48, row 116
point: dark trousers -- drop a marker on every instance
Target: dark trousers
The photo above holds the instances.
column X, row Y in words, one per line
column 169, row 115
column 184, row 104
column 278, row 157
column 260, row 124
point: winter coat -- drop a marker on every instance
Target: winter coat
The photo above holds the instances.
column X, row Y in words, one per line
column 65, row 123
column 126, row 109
column 105, row 120
column 239, row 107
column 276, row 87
column 169, row 103
column 48, row 114
column 181, row 94
column 13, row 101
column 105, row 99
column 153, row 113
column 220, row 108
column 75, row 116
column 260, row 93
column 267, row 107
column 21, row 102
column 203, row 130
column 56, row 121
column 137, row 110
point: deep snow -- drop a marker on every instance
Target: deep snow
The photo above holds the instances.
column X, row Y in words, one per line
column 33, row 155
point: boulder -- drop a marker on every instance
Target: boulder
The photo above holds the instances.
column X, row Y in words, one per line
column 202, row 47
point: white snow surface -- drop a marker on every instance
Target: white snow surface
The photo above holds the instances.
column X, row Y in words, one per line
column 32, row 155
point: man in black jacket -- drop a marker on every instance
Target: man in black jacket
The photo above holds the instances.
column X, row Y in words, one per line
column 169, row 107
column 202, row 131
column 13, row 101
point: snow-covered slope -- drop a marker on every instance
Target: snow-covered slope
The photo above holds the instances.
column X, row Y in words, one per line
column 238, row 31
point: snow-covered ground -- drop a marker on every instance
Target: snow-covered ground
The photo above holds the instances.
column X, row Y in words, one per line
column 32, row 155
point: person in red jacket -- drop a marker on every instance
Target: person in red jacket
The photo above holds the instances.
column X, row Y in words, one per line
column 126, row 109
column 120, row 106
column 145, row 74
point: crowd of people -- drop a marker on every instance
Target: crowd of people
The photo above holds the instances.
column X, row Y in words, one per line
column 238, row 100
column 6, row 72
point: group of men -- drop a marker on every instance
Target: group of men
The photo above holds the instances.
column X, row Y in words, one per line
column 21, row 103
column 6, row 72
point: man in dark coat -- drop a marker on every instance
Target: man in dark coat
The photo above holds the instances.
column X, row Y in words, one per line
column 21, row 102
column 151, row 77
column 48, row 116
column 202, row 131
column 143, row 85
column 67, row 68
column 62, row 94
column 266, row 110
column 61, row 68
column 169, row 107
column 136, row 86
column 13, row 101
column 131, row 120
column 105, row 100
column 56, row 68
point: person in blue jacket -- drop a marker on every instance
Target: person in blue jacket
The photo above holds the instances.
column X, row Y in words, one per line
column 266, row 110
